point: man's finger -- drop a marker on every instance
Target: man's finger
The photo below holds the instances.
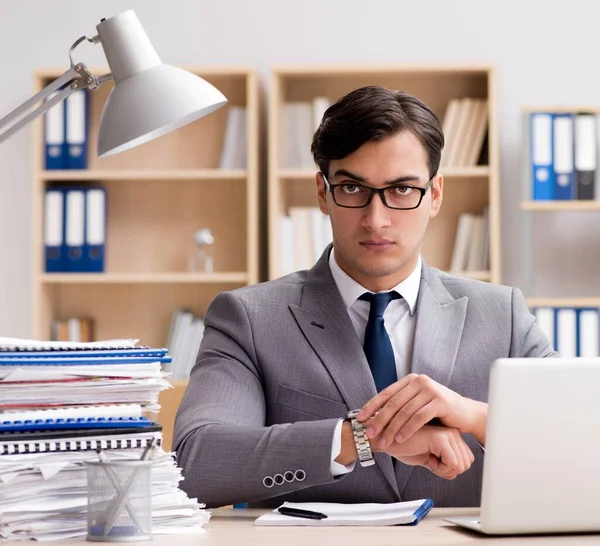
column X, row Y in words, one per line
column 404, row 414
column 378, row 401
column 395, row 408
column 417, row 421
column 468, row 456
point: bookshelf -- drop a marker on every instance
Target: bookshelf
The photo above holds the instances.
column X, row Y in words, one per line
column 565, row 142
column 158, row 195
column 468, row 189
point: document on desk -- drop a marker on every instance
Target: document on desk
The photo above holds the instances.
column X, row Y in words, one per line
column 364, row 514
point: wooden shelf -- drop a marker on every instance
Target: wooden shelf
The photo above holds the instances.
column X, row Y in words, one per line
column 158, row 195
column 449, row 172
column 145, row 174
column 556, row 206
column 478, row 275
column 563, row 302
column 291, row 175
column 146, row 278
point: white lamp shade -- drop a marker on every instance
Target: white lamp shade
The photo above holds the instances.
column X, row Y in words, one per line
column 152, row 103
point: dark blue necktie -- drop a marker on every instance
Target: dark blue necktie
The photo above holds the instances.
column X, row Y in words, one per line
column 377, row 346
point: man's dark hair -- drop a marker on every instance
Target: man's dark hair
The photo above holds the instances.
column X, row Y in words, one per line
column 373, row 113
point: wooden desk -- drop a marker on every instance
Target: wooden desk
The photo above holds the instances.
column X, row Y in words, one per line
column 229, row 527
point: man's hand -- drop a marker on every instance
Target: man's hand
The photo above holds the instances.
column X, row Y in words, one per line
column 442, row 450
column 404, row 407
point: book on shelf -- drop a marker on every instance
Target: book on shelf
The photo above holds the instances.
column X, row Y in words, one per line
column 233, row 155
column 300, row 121
column 72, row 329
column 471, row 243
column 465, row 126
column 67, row 403
column 572, row 331
column 563, row 156
column 186, row 331
column 304, row 233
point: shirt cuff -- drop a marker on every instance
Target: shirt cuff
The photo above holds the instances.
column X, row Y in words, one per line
column 338, row 469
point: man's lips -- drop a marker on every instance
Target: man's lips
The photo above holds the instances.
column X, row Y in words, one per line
column 377, row 243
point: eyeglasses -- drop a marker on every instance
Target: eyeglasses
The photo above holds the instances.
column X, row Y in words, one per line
column 353, row 195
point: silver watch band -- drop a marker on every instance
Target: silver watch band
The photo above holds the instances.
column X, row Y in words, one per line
column 363, row 448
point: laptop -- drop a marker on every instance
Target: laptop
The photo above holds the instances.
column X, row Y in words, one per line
column 541, row 471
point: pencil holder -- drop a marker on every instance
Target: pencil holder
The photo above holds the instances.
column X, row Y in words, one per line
column 119, row 501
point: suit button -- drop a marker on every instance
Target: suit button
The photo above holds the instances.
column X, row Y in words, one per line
column 289, row 476
column 300, row 475
column 278, row 479
column 268, row 481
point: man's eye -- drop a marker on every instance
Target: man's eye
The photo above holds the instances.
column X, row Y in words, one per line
column 402, row 190
column 351, row 188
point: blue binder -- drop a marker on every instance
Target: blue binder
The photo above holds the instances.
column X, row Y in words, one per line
column 75, row 230
column 54, row 136
column 563, row 143
column 95, row 230
column 54, row 230
column 76, row 134
column 542, row 162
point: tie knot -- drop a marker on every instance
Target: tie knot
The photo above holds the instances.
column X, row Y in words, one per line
column 379, row 302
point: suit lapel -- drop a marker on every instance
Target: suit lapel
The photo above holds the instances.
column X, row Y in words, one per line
column 438, row 331
column 324, row 321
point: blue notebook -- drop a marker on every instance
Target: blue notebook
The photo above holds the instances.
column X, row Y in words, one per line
column 74, row 353
column 56, row 360
column 74, row 423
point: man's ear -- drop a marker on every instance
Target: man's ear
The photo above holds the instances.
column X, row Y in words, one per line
column 437, row 195
column 321, row 193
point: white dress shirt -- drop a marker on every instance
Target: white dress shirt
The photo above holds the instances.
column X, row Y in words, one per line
column 399, row 323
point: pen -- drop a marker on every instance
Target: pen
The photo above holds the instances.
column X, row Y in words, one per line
column 296, row 512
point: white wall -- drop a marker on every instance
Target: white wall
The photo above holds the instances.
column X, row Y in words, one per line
column 543, row 55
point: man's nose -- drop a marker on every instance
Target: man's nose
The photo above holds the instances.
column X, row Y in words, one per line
column 377, row 215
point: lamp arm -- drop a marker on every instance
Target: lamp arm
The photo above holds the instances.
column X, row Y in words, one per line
column 75, row 78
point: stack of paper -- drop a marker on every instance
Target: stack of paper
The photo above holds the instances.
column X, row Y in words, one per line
column 62, row 405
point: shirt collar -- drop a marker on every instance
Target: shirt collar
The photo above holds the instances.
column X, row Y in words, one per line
column 350, row 290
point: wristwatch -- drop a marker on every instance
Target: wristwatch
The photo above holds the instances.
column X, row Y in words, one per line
column 363, row 448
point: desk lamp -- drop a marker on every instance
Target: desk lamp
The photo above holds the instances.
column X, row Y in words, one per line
column 149, row 98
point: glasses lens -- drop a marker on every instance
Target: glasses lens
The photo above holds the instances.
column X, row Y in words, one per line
column 402, row 197
column 351, row 195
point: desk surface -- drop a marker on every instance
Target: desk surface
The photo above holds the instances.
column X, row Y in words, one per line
column 235, row 527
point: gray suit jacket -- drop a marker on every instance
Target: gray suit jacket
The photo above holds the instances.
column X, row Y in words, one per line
column 280, row 364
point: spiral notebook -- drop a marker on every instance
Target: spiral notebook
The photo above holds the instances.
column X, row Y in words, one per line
column 84, row 440
column 19, row 344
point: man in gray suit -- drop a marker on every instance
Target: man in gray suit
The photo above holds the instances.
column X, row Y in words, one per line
column 269, row 413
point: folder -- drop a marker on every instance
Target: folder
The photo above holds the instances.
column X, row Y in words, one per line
column 75, row 230
column 565, row 331
column 585, row 155
column 340, row 514
column 542, row 156
column 54, row 136
column 95, row 230
column 76, row 107
column 54, row 230
column 588, row 333
column 563, row 143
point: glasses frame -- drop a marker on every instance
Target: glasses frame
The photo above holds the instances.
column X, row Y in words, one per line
column 380, row 191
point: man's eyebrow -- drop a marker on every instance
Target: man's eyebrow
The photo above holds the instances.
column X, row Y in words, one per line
column 399, row 180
